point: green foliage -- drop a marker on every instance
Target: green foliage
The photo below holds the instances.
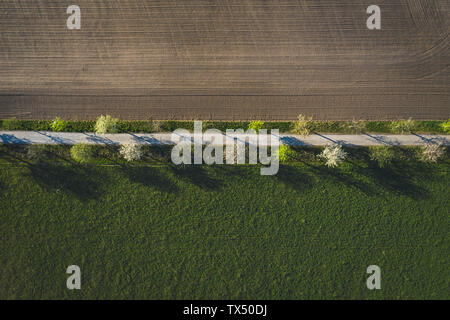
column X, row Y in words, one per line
column 80, row 126
column 284, row 153
column 11, row 124
column 148, row 126
column 303, row 126
column 58, row 125
column 25, row 125
column 82, row 153
column 106, row 124
column 403, row 126
column 379, row 126
column 255, row 125
column 356, row 126
column 329, row 126
column 446, row 126
column 382, row 155
column 135, row 126
column 434, row 127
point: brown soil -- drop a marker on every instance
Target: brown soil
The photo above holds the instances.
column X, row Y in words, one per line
column 225, row 60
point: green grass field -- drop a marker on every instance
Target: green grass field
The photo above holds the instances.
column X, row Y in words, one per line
column 223, row 232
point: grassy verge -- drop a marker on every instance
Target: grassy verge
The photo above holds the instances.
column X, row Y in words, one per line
column 169, row 126
column 156, row 231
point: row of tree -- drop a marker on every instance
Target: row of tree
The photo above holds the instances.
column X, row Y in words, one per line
column 332, row 155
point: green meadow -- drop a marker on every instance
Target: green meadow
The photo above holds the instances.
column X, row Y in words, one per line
column 156, row 231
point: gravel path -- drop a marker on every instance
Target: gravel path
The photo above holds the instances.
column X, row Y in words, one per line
column 66, row 138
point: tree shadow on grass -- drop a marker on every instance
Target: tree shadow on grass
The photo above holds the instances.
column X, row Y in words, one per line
column 295, row 178
column 80, row 181
column 399, row 178
column 197, row 175
column 14, row 154
column 338, row 176
column 231, row 170
column 149, row 177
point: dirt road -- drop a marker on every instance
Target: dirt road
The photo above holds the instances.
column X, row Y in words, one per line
column 225, row 59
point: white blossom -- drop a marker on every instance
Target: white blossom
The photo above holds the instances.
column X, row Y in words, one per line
column 432, row 152
column 334, row 155
column 131, row 152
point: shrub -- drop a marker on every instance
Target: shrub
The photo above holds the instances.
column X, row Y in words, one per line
column 12, row 124
column 303, row 125
column 58, row 125
column 432, row 152
column 382, row 155
column 446, row 126
column 334, row 155
column 106, row 124
column 356, row 126
column 135, row 126
column 131, row 152
column 80, row 126
column 82, row 152
column 403, row 126
column 157, row 126
column 36, row 152
column 255, row 125
column 284, row 153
